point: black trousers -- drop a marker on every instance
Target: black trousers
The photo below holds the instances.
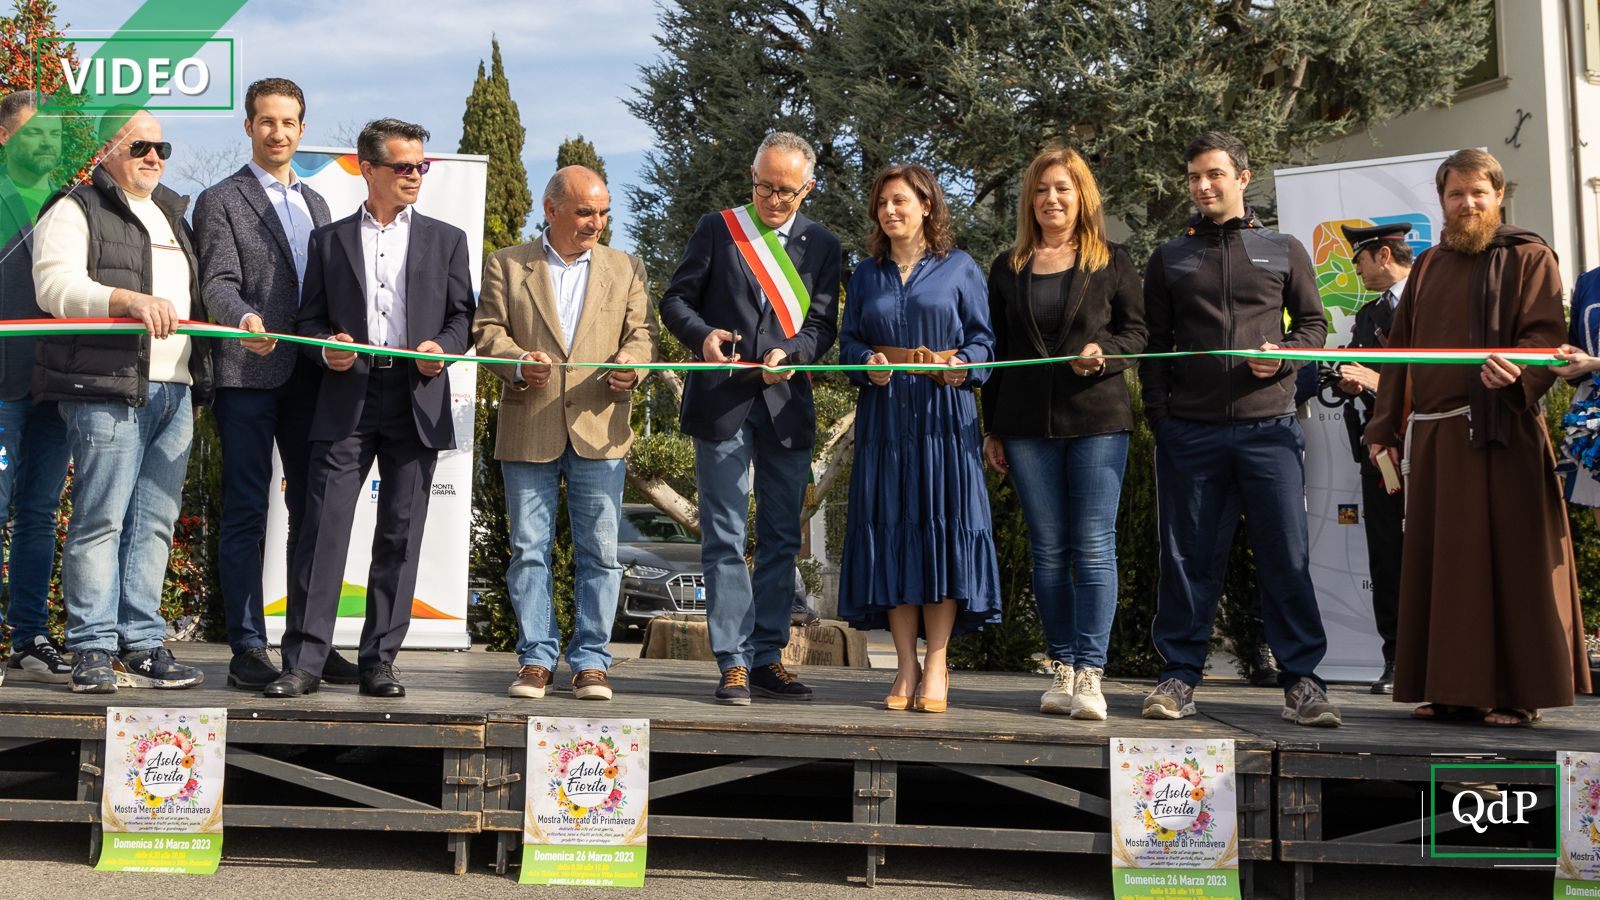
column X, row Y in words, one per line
column 249, row 422
column 335, row 482
column 1385, row 519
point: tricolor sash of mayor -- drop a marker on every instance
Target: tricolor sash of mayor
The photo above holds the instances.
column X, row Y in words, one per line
column 775, row 272
column 1528, row 356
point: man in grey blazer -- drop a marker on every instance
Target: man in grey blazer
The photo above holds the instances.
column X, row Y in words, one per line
column 251, row 232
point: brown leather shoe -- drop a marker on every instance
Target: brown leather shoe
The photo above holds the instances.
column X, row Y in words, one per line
column 531, row 682
column 591, row 684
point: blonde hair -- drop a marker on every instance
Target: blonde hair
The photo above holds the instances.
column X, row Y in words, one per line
column 1094, row 253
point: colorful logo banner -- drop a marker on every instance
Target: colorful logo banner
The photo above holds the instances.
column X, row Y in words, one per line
column 1174, row 820
column 588, row 795
column 161, row 810
column 1578, row 828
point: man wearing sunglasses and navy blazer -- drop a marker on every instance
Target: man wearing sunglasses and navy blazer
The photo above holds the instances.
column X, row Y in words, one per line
column 388, row 277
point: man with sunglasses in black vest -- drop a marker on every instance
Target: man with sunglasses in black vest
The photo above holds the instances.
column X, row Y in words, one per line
column 118, row 246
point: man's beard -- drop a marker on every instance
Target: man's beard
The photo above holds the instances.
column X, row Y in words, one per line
column 1470, row 234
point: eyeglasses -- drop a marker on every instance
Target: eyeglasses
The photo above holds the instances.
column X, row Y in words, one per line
column 140, row 149
column 405, row 168
column 784, row 195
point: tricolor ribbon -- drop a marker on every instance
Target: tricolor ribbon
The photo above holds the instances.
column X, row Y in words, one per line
column 1528, row 356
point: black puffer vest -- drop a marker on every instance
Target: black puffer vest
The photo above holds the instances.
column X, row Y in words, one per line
column 117, row 367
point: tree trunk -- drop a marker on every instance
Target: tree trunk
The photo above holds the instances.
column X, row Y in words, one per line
column 665, row 498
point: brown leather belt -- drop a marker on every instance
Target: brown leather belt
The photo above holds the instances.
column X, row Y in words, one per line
column 900, row 356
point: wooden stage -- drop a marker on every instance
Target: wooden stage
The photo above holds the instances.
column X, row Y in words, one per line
column 992, row 773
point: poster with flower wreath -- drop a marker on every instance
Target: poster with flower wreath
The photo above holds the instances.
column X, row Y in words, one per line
column 161, row 810
column 588, row 794
column 1174, row 820
column 1578, row 836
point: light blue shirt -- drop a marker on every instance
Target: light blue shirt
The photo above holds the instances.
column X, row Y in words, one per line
column 569, row 282
column 293, row 214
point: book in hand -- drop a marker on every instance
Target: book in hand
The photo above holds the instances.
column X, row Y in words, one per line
column 1391, row 478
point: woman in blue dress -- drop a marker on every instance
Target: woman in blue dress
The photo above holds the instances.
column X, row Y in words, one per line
column 919, row 551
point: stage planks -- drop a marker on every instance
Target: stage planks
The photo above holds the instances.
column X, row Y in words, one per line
column 450, row 757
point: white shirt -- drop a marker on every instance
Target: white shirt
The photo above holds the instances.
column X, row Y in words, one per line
column 783, row 231
column 1395, row 290
column 65, row 290
column 383, row 256
column 570, row 283
column 294, row 214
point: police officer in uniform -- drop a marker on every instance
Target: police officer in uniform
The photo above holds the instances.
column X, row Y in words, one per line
column 1382, row 259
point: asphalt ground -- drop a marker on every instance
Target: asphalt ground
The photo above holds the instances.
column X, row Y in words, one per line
column 51, row 861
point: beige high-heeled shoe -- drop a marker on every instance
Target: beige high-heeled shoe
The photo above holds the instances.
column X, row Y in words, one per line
column 924, row 704
column 898, row 703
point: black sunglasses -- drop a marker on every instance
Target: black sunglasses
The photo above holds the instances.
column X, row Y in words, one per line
column 403, row 169
column 139, row 149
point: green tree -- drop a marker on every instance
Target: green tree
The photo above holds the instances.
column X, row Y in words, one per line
column 580, row 152
column 492, row 126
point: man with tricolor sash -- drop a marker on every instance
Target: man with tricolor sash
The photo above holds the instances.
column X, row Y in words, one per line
column 757, row 282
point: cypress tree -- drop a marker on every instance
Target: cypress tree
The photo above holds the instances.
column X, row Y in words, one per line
column 492, row 126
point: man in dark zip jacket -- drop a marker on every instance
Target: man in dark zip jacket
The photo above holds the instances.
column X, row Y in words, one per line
column 118, row 246
column 1226, row 436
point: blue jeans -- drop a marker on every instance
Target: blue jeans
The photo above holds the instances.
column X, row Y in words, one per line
column 1070, row 489
column 127, row 490
column 1206, row 474
column 33, row 469
column 748, row 619
column 594, row 505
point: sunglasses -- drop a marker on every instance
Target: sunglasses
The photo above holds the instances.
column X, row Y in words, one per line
column 139, row 149
column 404, row 168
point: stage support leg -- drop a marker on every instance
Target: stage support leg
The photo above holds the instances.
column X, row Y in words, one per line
column 874, row 803
column 90, row 777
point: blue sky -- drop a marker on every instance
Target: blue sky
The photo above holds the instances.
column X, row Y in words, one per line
column 571, row 66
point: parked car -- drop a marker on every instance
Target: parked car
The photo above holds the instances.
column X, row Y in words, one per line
column 661, row 571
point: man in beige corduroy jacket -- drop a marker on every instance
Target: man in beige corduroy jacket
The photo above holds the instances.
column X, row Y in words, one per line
column 565, row 299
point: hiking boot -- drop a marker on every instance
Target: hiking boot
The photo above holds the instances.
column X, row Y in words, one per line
column 530, row 684
column 1172, row 699
column 735, row 687
column 252, row 670
column 1264, row 667
column 94, row 673
column 155, row 668
column 591, row 684
column 38, row 660
column 1058, row 699
column 773, row 680
column 1306, row 703
column 1087, row 701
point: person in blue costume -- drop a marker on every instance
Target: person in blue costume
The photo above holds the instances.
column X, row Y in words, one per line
column 919, row 550
column 1582, row 353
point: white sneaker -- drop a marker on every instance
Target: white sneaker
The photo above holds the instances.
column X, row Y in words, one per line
column 1058, row 700
column 1087, row 701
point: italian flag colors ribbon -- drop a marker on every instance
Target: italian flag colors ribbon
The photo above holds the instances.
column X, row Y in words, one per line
column 1527, row 356
column 775, row 272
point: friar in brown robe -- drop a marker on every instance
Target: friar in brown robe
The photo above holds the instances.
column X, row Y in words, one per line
column 1489, row 615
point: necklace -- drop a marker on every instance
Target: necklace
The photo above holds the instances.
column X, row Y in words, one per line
column 905, row 268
